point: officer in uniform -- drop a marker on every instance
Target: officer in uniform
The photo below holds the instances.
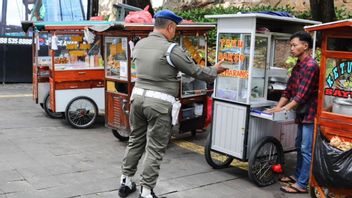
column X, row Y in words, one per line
column 154, row 107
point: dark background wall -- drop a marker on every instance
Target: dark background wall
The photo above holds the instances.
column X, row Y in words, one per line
column 15, row 63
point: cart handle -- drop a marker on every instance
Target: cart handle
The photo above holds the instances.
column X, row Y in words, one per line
column 124, row 107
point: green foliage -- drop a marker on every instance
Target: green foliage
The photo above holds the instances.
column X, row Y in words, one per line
column 343, row 13
column 197, row 14
column 290, row 62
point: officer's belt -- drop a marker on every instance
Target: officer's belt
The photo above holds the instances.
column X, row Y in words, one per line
column 153, row 94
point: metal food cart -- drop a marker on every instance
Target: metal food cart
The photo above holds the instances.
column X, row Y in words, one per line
column 72, row 69
column 120, row 76
column 255, row 47
column 334, row 114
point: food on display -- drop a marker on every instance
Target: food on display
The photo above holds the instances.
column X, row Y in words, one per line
column 340, row 143
column 196, row 51
column 61, row 60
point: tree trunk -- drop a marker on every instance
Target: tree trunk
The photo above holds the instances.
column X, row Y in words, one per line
column 141, row 4
column 323, row 10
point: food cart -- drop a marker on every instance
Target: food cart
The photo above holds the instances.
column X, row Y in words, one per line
column 121, row 74
column 254, row 47
column 331, row 170
column 74, row 69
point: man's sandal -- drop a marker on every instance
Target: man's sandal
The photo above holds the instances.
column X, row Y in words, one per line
column 292, row 190
column 288, row 179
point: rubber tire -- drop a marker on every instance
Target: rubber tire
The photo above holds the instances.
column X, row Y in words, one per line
column 92, row 122
column 214, row 163
column 119, row 136
column 253, row 155
column 49, row 112
column 194, row 133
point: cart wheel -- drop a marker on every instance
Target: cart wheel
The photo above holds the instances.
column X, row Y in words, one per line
column 266, row 153
column 81, row 112
column 194, row 133
column 48, row 111
column 216, row 159
column 123, row 136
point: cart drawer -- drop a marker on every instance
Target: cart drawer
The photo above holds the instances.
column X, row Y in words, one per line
column 79, row 75
column 80, row 85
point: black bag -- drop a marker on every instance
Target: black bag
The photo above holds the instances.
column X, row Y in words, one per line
column 331, row 166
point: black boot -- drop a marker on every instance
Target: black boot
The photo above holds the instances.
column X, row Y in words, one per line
column 124, row 190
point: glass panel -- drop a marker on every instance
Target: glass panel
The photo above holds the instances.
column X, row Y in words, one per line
column 260, row 52
column 74, row 53
column 340, row 44
column 195, row 45
column 281, row 52
column 63, row 10
column 259, row 67
column 196, row 48
column 116, row 57
column 42, row 55
column 338, row 86
column 233, row 48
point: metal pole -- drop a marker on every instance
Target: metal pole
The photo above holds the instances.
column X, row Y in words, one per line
column 60, row 10
column 3, row 17
column 26, row 9
column 82, row 9
column 2, row 31
column 4, row 64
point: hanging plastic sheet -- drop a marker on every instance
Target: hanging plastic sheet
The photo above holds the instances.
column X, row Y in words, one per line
column 331, row 166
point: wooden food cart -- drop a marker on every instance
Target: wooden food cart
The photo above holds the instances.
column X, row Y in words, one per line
column 334, row 116
column 75, row 67
column 121, row 75
column 255, row 47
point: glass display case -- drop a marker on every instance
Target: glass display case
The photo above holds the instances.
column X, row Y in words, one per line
column 73, row 52
column 234, row 49
column 116, row 56
column 196, row 47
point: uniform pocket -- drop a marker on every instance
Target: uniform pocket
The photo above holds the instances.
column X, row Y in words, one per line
column 162, row 107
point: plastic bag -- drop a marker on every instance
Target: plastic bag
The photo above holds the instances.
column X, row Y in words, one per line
column 142, row 16
column 209, row 111
column 331, row 167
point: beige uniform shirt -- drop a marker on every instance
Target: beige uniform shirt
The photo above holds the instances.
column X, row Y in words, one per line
column 154, row 72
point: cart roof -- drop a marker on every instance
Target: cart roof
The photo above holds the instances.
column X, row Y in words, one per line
column 76, row 25
column 181, row 26
column 330, row 25
column 105, row 25
column 264, row 16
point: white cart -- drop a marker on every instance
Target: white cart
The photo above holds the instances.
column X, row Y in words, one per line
column 254, row 47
